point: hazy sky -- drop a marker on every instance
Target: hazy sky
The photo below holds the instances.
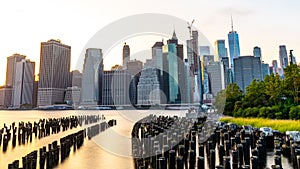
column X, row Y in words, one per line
column 264, row 23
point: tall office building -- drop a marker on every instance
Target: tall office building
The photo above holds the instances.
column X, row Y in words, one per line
column 257, row 52
column 24, row 83
column 172, row 68
column 283, row 57
column 157, row 56
column 234, row 45
column 11, row 68
column 215, row 71
column 148, row 87
column 265, row 70
column 11, row 72
column 292, row 58
column 275, row 66
column 227, row 71
column 126, row 55
column 186, row 91
column 246, row 69
column 220, row 50
column 206, row 83
column 134, row 68
column 55, row 60
column 93, row 64
column 192, row 51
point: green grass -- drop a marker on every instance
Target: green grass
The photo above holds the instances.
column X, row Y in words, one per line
column 280, row 125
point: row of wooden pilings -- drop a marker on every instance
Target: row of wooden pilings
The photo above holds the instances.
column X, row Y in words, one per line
column 182, row 143
column 165, row 142
column 50, row 158
column 24, row 132
column 295, row 153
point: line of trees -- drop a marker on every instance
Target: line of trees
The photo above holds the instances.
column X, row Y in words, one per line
column 275, row 97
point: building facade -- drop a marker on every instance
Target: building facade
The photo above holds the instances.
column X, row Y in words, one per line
column 246, row 69
column 93, row 64
column 55, row 60
column 115, row 90
column 11, row 68
column 215, row 72
column 220, row 50
column 148, row 87
column 234, row 45
column 24, row 84
column 126, row 55
column 283, row 57
column 265, row 70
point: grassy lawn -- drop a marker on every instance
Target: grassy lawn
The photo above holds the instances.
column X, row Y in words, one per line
column 281, row 125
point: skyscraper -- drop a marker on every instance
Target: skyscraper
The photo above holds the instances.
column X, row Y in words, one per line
column 227, row 71
column 283, row 57
column 292, row 58
column 215, row 71
column 220, row 50
column 275, row 66
column 265, row 70
column 126, row 55
column 11, row 68
column 11, row 73
column 186, row 91
column 157, row 56
column 148, row 87
column 246, row 69
column 171, row 51
column 24, row 83
column 234, row 45
column 93, row 64
column 55, row 60
column 257, row 52
column 134, row 68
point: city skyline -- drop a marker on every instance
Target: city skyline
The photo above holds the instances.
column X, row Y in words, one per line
column 215, row 24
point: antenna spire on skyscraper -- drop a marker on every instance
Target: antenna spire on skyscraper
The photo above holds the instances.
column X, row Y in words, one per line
column 231, row 23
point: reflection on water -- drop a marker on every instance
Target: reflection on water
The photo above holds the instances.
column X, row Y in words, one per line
column 110, row 149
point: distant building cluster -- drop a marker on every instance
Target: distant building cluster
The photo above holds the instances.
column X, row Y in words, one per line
column 166, row 78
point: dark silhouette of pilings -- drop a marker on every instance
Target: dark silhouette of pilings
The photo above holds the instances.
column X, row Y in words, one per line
column 51, row 155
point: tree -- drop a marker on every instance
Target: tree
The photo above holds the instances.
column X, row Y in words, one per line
column 255, row 95
column 273, row 89
column 292, row 82
column 227, row 98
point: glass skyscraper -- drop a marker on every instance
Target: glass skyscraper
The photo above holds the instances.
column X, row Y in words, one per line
column 220, row 50
column 283, row 57
column 173, row 72
column 234, row 45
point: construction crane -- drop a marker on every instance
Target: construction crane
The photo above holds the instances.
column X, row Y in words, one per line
column 190, row 27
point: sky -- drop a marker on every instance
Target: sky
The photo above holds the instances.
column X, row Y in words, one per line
column 25, row 24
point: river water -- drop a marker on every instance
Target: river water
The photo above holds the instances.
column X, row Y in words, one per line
column 109, row 150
